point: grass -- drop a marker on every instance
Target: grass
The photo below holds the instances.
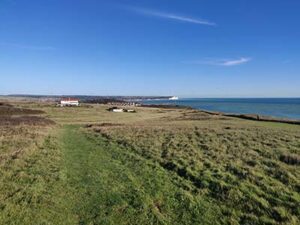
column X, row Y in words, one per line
column 238, row 164
column 124, row 188
column 158, row 166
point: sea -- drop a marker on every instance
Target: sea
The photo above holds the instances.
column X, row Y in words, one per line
column 288, row 108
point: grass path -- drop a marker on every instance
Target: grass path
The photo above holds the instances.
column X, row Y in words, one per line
column 76, row 177
column 108, row 184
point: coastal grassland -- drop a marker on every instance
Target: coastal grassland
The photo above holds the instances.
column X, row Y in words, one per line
column 248, row 170
column 112, row 185
column 27, row 166
column 156, row 166
column 99, row 114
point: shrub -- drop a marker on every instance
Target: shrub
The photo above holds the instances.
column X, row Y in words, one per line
column 291, row 159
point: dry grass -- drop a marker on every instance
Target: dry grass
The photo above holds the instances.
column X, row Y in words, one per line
column 19, row 128
column 9, row 110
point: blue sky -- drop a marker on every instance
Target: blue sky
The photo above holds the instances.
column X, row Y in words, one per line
column 192, row 48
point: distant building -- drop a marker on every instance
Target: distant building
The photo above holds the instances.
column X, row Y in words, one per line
column 134, row 104
column 69, row 102
column 118, row 110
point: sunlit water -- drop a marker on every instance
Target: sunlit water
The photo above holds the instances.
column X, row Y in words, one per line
column 276, row 107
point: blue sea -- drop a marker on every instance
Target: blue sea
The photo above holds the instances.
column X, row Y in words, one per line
column 275, row 107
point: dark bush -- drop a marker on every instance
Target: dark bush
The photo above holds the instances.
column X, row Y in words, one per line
column 291, row 159
column 6, row 110
column 25, row 120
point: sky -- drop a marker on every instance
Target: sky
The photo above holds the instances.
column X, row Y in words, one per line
column 191, row 48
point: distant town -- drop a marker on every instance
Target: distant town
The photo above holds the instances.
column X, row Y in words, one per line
column 92, row 98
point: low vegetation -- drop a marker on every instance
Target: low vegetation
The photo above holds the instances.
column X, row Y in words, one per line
column 248, row 171
column 26, row 160
column 292, row 159
column 9, row 110
column 158, row 166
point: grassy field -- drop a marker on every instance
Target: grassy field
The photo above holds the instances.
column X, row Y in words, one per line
column 157, row 166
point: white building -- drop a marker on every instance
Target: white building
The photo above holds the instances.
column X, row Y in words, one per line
column 69, row 102
column 118, row 110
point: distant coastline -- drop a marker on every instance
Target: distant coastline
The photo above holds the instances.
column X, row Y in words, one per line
column 254, row 117
column 90, row 97
column 285, row 110
column 270, row 109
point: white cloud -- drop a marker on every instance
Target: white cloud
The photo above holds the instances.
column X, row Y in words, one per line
column 171, row 16
column 223, row 62
column 234, row 62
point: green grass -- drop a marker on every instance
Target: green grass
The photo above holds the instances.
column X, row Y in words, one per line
column 31, row 187
column 153, row 167
column 237, row 165
column 79, row 178
column 113, row 185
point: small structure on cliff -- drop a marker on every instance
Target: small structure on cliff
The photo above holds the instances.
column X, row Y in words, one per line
column 69, row 102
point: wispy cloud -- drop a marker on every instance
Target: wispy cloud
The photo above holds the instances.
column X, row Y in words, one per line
column 171, row 16
column 222, row 62
column 28, row 47
column 234, row 62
